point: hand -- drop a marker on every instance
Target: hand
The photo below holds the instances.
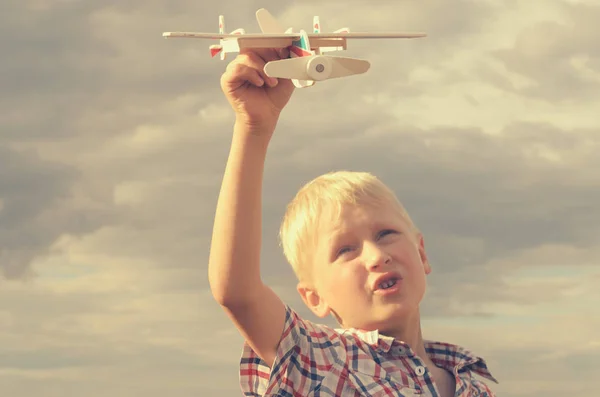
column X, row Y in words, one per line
column 256, row 98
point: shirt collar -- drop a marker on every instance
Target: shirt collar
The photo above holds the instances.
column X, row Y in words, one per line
column 445, row 355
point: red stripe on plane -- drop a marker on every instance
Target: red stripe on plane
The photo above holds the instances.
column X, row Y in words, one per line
column 300, row 51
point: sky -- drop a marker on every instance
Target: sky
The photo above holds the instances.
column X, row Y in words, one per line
column 113, row 142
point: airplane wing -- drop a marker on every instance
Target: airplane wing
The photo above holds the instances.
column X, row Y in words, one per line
column 225, row 36
column 366, row 35
column 284, row 40
column 294, row 36
column 256, row 40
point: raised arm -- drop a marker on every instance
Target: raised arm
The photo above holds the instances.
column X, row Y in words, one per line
column 234, row 265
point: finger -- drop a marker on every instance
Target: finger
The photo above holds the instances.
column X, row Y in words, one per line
column 238, row 74
column 283, row 53
column 258, row 60
column 266, row 54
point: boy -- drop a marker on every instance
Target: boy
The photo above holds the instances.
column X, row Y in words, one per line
column 357, row 255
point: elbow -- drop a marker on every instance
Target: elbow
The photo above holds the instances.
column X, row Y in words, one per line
column 230, row 299
column 220, row 290
column 231, row 293
column 222, row 295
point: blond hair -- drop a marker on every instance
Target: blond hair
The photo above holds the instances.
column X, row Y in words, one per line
column 329, row 191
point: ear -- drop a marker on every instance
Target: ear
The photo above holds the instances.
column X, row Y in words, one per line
column 423, row 254
column 313, row 300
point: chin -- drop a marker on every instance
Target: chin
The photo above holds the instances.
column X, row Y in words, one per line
column 398, row 313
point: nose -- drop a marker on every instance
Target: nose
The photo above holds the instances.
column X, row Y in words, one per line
column 376, row 257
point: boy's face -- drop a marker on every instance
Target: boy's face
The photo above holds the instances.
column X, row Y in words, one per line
column 369, row 269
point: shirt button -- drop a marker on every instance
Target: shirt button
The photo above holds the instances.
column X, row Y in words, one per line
column 420, row 370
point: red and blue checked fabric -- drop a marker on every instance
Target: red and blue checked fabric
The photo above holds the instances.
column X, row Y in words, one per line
column 316, row 360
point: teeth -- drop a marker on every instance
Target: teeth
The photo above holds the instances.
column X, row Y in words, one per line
column 387, row 284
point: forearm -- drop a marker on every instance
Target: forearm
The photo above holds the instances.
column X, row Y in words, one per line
column 234, row 264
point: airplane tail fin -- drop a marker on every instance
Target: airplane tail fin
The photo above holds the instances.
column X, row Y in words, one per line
column 301, row 47
column 317, row 29
column 218, row 49
column 317, row 26
column 222, row 27
column 226, row 45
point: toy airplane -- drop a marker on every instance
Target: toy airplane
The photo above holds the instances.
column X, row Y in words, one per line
column 306, row 63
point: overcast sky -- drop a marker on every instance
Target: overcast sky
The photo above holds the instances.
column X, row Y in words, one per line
column 113, row 141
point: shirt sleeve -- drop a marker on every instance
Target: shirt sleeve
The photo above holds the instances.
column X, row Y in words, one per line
column 306, row 352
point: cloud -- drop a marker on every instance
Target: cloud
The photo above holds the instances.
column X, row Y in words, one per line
column 558, row 57
column 37, row 206
column 113, row 147
column 95, row 318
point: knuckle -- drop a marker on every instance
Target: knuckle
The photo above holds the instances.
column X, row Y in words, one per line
column 231, row 65
column 253, row 59
column 224, row 78
column 243, row 58
column 236, row 68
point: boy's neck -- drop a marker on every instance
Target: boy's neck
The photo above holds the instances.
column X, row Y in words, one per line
column 411, row 334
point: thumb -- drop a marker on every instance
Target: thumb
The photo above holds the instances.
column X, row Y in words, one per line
column 283, row 53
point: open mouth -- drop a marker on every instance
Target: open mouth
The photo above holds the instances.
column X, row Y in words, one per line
column 388, row 283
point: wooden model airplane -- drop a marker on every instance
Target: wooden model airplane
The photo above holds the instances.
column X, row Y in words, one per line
column 307, row 63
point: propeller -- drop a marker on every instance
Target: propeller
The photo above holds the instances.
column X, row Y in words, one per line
column 316, row 67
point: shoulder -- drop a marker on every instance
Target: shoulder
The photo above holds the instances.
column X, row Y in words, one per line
column 465, row 363
column 306, row 353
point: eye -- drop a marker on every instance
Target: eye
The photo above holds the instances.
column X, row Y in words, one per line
column 385, row 232
column 342, row 251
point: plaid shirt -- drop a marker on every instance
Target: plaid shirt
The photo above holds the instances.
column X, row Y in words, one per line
column 315, row 360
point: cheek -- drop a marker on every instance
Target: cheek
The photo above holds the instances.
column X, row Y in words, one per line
column 346, row 281
column 404, row 252
column 418, row 268
column 410, row 258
